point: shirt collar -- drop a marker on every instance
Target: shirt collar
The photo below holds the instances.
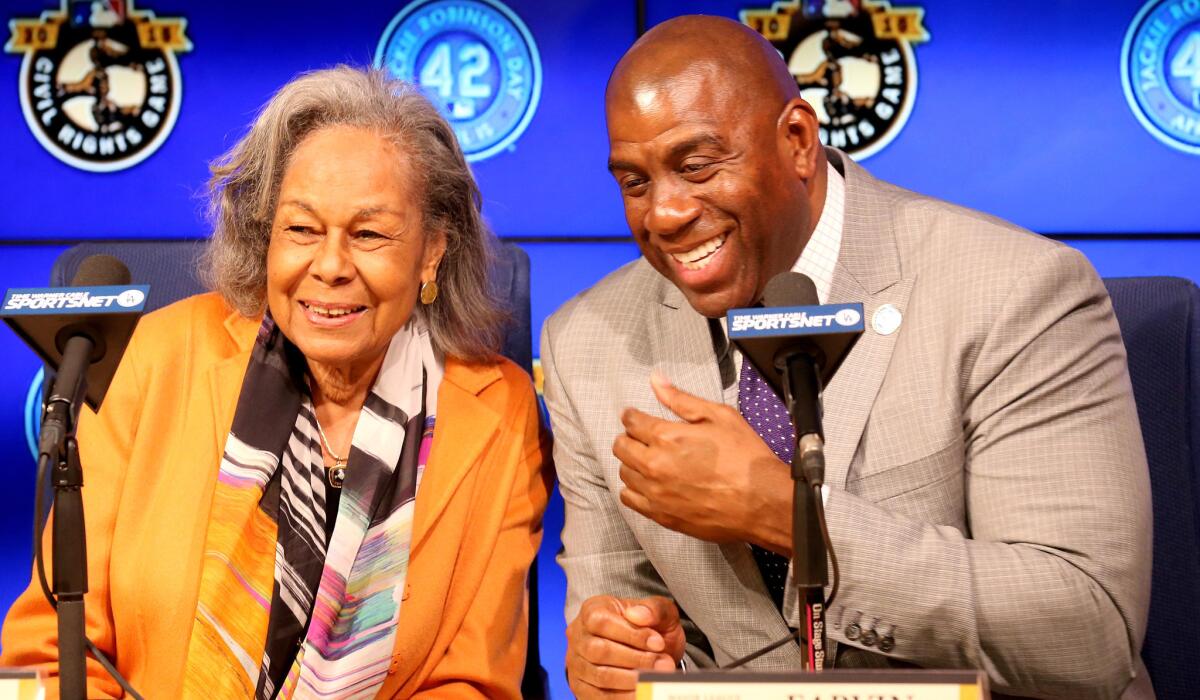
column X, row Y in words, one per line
column 820, row 254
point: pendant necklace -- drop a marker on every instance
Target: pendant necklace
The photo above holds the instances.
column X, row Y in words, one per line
column 336, row 475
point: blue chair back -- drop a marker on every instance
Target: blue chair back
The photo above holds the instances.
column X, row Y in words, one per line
column 170, row 268
column 1160, row 322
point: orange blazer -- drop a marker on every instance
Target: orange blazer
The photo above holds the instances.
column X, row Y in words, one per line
column 150, row 460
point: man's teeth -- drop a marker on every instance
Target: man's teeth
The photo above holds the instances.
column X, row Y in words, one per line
column 698, row 258
column 326, row 311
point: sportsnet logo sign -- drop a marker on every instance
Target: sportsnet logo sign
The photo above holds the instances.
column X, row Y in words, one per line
column 107, row 299
column 795, row 320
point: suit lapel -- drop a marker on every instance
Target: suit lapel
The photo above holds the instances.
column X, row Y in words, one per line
column 453, row 455
column 848, row 399
column 225, row 384
column 683, row 349
column 185, row 499
column 225, row 377
column 868, row 271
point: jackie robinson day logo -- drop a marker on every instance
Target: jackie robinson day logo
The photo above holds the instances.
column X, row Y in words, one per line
column 1160, row 71
column 475, row 60
column 99, row 81
column 853, row 61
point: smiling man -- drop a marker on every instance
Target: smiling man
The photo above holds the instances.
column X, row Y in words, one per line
column 989, row 498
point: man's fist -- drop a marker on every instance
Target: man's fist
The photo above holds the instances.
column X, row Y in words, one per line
column 612, row 638
column 710, row 476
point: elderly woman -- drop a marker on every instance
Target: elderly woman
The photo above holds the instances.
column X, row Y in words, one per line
column 321, row 478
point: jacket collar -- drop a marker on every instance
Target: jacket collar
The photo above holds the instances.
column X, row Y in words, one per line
column 869, row 271
column 869, row 256
column 454, row 455
column 685, row 346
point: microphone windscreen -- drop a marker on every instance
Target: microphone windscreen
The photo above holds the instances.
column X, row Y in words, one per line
column 101, row 271
column 790, row 289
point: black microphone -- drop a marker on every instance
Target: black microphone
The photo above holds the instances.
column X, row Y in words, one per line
column 80, row 331
column 797, row 345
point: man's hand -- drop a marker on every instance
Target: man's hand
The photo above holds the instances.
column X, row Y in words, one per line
column 711, row 477
column 612, row 638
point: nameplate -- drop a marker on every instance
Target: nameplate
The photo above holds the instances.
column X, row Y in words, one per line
column 836, row 684
column 21, row 683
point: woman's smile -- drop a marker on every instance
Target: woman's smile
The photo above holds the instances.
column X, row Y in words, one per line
column 331, row 315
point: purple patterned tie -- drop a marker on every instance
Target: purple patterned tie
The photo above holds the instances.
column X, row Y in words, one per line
column 765, row 412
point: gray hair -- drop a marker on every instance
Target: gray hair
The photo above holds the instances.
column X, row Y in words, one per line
column 463, row 321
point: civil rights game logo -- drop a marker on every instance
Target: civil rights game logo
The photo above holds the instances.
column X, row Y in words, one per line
column 1160, row 71
column 853, row 61
column 99, row 83
column 475, row 60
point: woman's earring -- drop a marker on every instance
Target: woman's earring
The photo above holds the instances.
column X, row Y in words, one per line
column 429, row 292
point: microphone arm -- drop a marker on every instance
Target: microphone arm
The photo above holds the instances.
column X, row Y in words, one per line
column 61, row 453
column 802, row 378
column 802, row 387
column 62, row 405
column 810, row 536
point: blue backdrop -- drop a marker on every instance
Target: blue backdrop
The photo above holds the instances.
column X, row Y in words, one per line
column 1019, row 111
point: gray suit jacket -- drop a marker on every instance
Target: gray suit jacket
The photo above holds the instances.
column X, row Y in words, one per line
column 990, row 506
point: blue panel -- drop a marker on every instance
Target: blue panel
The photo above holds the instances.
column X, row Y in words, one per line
column 1019, row 112
column 1134, row 258
column 559, row 271
column 19, row 267
column 556, row 181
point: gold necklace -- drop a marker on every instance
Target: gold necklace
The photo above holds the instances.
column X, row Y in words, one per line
column 336, row 475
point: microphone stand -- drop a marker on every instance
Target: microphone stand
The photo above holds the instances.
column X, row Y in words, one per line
column 802, row 378
column 69, row 555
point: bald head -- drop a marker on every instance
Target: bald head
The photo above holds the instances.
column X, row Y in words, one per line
column 718, row 159
column 730, row 56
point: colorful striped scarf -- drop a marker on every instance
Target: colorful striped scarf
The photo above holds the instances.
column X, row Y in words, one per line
column 283, row 609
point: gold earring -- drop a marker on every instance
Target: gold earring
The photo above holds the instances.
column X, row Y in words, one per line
column 429, row 292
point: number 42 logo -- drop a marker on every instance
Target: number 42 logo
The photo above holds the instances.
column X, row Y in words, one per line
column 475, row 60
column 1186, row 65
column 1160, row 72
column 460, row 78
